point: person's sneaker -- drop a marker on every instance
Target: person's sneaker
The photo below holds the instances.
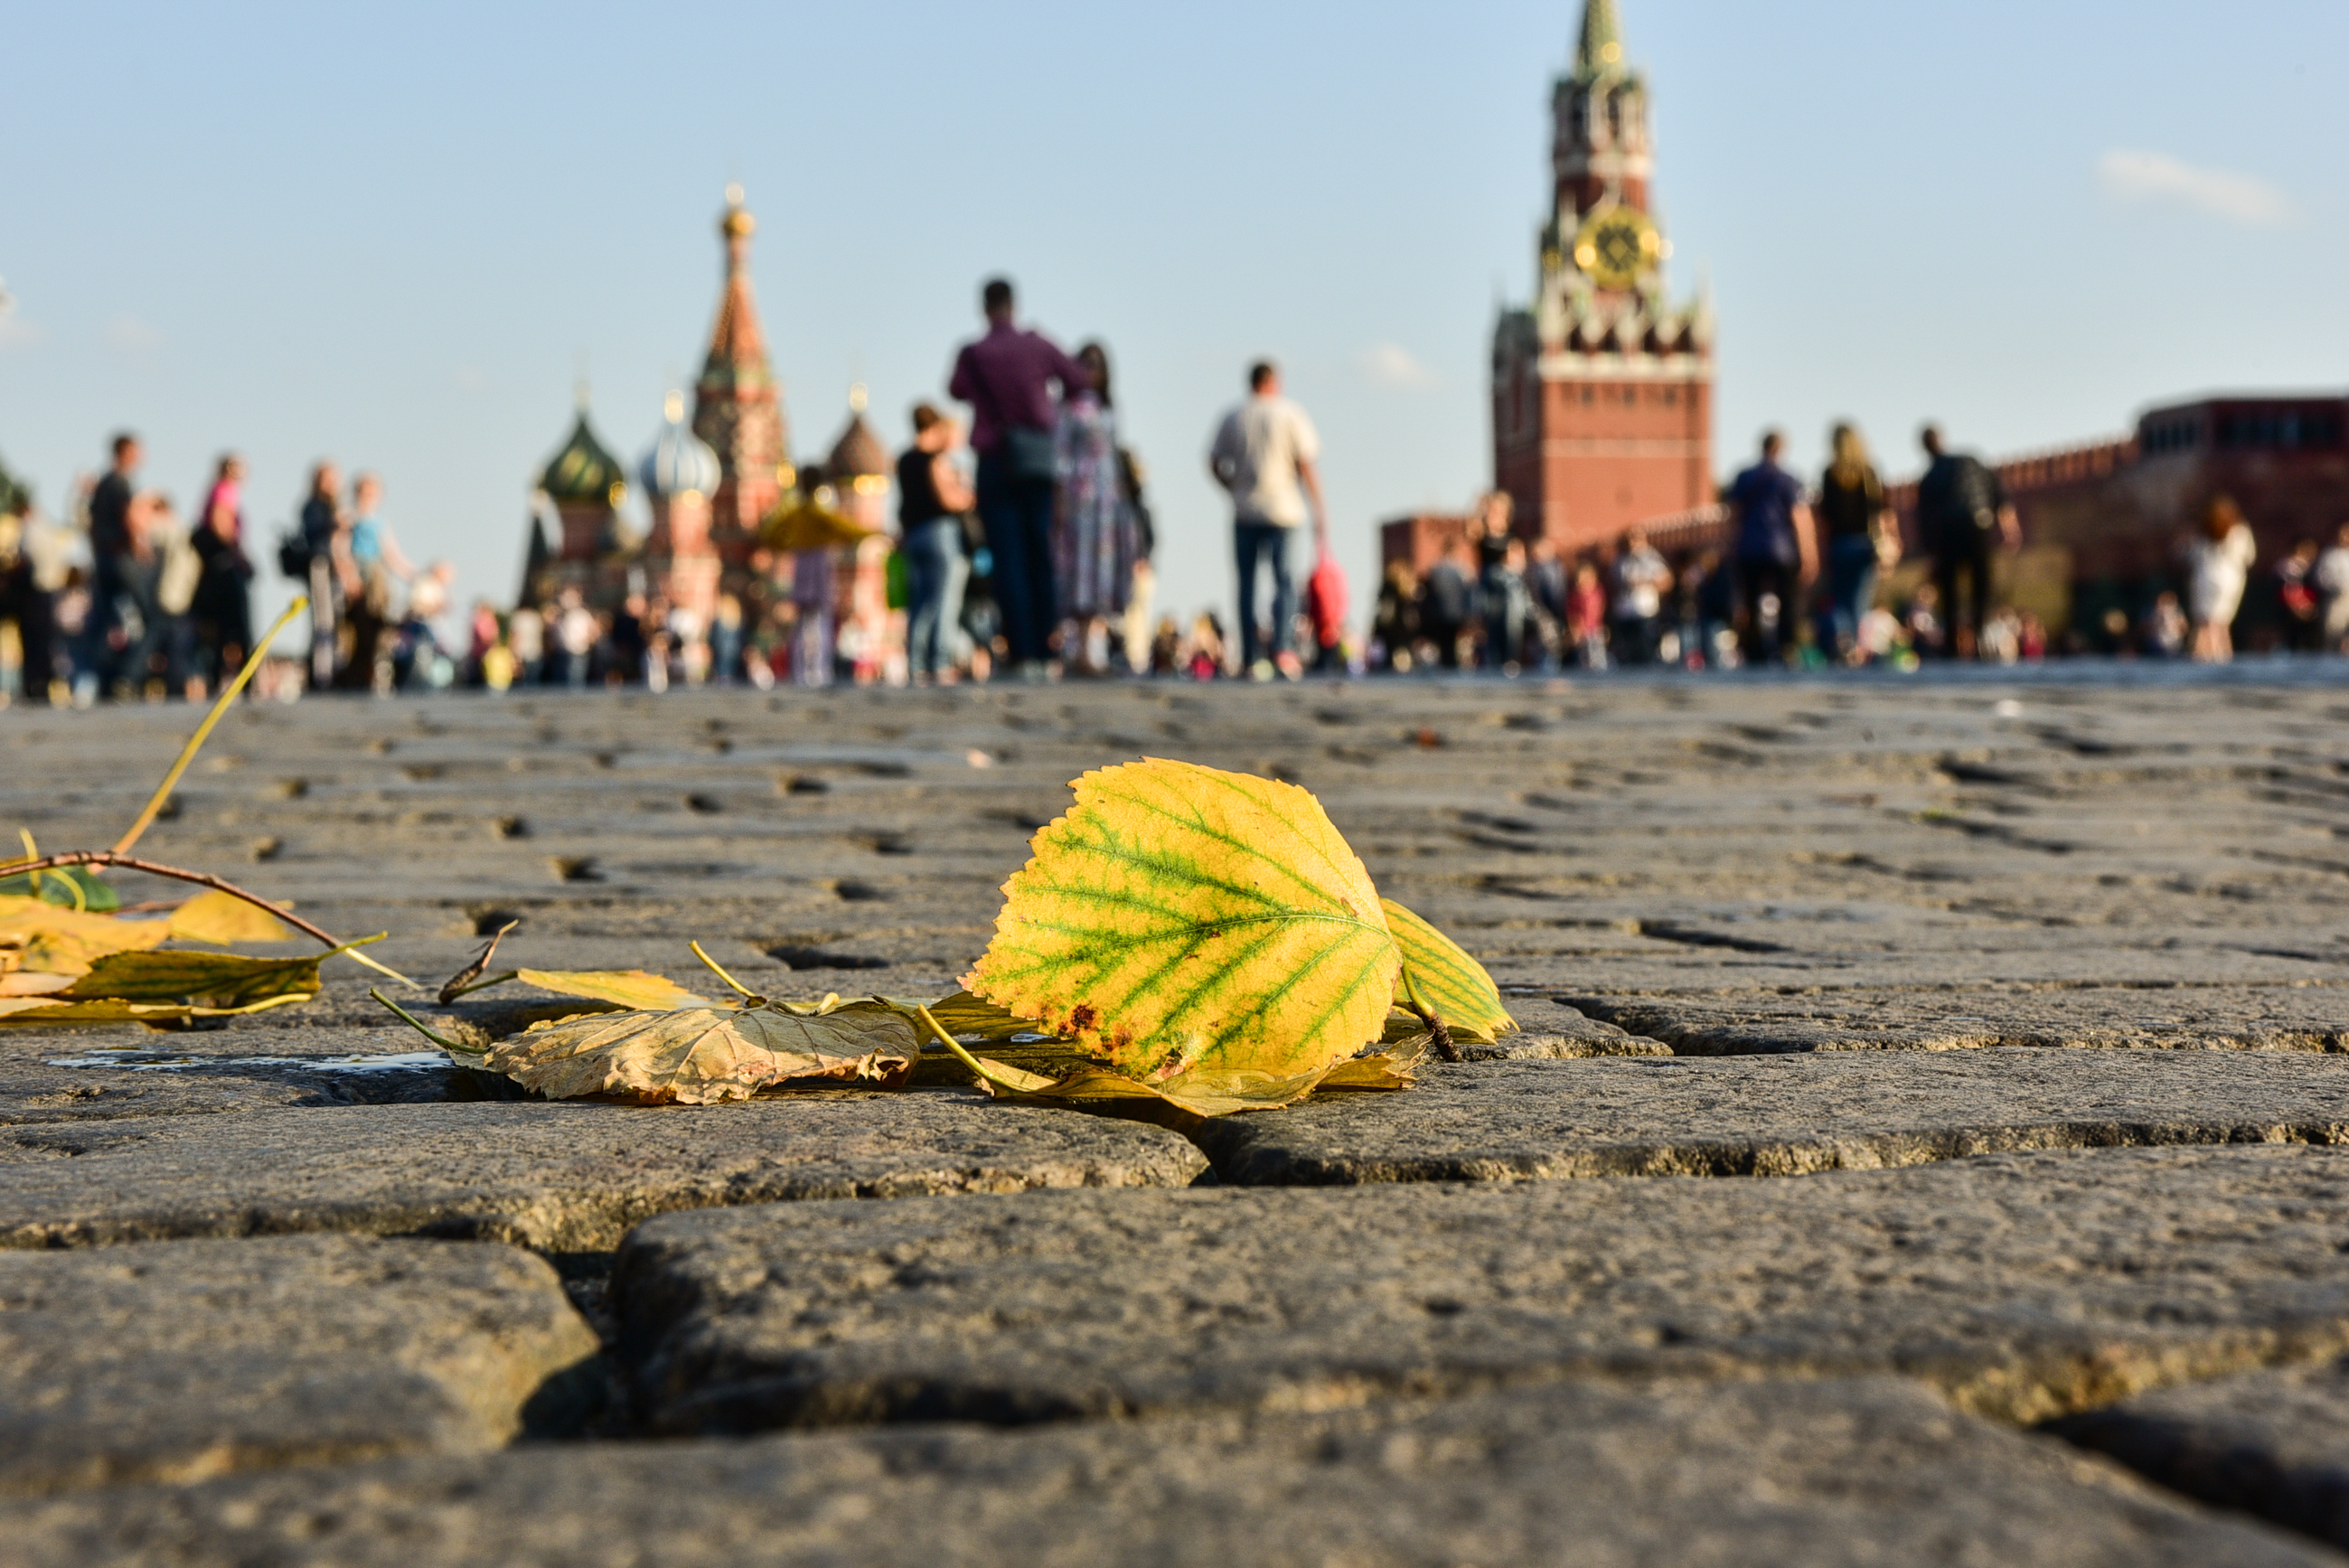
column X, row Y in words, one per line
column 1261, row 670
column 1291, row 667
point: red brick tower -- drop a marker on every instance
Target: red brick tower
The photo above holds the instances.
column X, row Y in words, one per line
column 1602, row 389
column 738, row 407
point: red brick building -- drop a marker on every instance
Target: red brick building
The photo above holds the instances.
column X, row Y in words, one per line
column 1602, row 387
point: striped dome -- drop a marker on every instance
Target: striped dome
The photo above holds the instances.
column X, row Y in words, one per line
column 680, row 459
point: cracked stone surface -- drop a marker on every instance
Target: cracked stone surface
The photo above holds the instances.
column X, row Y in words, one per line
column 1778, row 1116
column 1865, row 1472
column 1864, row 913
column 2174, row 1017
column 2026, row 1285
column 182, row 1360
column 557, row 1178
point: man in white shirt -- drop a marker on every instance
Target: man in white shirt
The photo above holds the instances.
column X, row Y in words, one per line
column 1265, row 455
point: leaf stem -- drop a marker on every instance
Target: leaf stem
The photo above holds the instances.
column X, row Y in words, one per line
column 1445, row 1046
column 716, row 969
column 977, row 1067
column 188, row 752
column 448, row 997
column 202, row 879
column 451, row 1047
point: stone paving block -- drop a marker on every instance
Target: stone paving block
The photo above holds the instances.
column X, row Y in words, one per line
column 555, row 1177
column 180, row 1361
column 2274, row 1443
column 2026, row 1285
column 1830, row 1474
column 1779, row 1116
column 2180, row 1017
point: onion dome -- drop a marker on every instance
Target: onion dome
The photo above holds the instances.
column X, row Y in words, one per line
column 680, row 460
column 858, row 454
column 16, row 499
column 582, row 471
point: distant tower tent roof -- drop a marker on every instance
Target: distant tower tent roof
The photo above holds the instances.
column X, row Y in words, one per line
column 1600, row 49
column 584, row 471
column 679, row 460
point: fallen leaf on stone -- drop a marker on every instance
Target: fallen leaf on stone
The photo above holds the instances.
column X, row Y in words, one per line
column 50, row 1010
column 31, row 983
column 1181, row 918
column 968, row 1017
column 54, row 940
column 704, row 1055
column 209, row 980
column 1187, row 1097
column 1446, row 979
column 629, row 987
column 223, row 919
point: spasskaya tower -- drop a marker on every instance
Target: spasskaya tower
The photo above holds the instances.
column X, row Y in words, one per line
column 1602, row 388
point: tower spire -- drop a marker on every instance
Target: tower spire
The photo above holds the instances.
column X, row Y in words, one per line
column 1600, row 49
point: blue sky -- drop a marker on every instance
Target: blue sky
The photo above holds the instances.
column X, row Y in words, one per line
column 398, row 235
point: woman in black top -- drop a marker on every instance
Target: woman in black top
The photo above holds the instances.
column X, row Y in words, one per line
column 932, row 495
column 1853, row 513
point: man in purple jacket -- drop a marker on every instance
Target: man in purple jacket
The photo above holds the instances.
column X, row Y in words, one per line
column 1007, row 378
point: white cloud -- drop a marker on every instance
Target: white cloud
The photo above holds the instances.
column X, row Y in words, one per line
column 1391, row 365
column 2135, row 176
column 130, row 333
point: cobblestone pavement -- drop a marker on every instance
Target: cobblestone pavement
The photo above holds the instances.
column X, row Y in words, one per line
column 1926, row 1145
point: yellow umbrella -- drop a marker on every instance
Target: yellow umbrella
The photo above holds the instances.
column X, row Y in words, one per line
column 802, row 523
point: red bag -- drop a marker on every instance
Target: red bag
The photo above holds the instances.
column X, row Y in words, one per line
column 1325, row 601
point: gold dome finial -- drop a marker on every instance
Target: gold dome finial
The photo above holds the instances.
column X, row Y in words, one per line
column 856, row 398
column 673, row 406
column 738, row 223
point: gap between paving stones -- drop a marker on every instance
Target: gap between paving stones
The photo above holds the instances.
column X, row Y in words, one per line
column 2022, row 1286
column 1830, row 1474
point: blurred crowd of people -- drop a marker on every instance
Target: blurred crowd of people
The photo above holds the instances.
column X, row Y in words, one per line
column 1024, row 549
column 126, row 597
column 1796, row 582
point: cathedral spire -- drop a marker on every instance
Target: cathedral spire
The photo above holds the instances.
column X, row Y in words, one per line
column 738, row 406
column 1600, row 49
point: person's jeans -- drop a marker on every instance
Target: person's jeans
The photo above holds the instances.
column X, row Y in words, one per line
column 1969, row 553
column 1018, row 513
column 1851, row 588
column 1761, row 577
column 1267, row 542
column 323, row 590
column 935, row 570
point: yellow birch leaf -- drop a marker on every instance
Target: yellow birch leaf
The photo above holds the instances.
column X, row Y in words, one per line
column 1454, row 984
column 223, row 918
column 208, row 981
column 634, row 988
column 1180, row 917
column 701, row 1056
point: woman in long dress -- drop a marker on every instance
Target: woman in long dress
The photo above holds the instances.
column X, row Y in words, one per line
column 2219, row 564
column 222, row 609
column 1094, row 543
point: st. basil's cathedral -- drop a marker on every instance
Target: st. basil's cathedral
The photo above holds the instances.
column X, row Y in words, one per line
column 716, row 488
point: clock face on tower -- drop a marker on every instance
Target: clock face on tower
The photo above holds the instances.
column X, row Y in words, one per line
column 1616, row 246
